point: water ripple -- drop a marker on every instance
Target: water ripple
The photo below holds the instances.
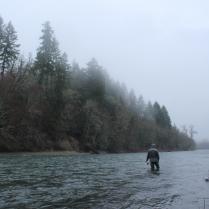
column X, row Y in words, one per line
column 102, row 181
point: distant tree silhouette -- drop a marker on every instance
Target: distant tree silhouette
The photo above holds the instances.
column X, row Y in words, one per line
column 8, row 47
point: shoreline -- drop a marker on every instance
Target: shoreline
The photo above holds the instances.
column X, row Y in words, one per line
column 44, row 153
column 65, row 152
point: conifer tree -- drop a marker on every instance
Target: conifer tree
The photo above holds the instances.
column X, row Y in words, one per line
column 95, row 80
column 9, row 48
column 1, row 35
column 141, row 107
column 149, row 112
column 166, row 117
column 47, row 56
column 50, row 70
column 61, row 69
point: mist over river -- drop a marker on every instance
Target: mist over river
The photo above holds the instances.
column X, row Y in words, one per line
column 106, row 181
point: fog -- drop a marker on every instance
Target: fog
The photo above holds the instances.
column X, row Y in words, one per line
column 158, row 48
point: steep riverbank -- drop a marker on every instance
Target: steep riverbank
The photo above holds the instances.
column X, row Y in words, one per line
column 48, row 104
column 68, row 146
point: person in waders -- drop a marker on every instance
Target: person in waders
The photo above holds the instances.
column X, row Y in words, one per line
column 153, row 157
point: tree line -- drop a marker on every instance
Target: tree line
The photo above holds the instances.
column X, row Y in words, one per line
column 48, row 104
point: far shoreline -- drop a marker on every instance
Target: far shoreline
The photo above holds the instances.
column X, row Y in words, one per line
column 66, row 152
column 54, row 152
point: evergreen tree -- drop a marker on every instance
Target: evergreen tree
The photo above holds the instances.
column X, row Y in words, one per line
column 9, row 47
column 1, row 35
column 78, row 78
column 165, row 117
column 141, row 107
column 95, row 81
column 149, row 112
column 161, row 116
column 158, row 114
column 47, row 56
column 50, row 69
column 61, row 70
column 132, row 101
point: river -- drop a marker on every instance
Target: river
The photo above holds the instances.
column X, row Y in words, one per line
column 107, row 181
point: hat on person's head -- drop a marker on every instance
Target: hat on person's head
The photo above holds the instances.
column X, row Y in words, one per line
column 153, row 145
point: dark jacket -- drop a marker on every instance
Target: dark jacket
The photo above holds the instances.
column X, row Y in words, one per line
column 153, row 155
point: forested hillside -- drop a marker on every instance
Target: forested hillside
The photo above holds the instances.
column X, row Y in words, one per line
column 48, row 104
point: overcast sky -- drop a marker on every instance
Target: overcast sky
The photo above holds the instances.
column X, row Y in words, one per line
column 159, row 48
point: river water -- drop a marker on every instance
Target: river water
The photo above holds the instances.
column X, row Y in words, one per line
column 107, row 181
